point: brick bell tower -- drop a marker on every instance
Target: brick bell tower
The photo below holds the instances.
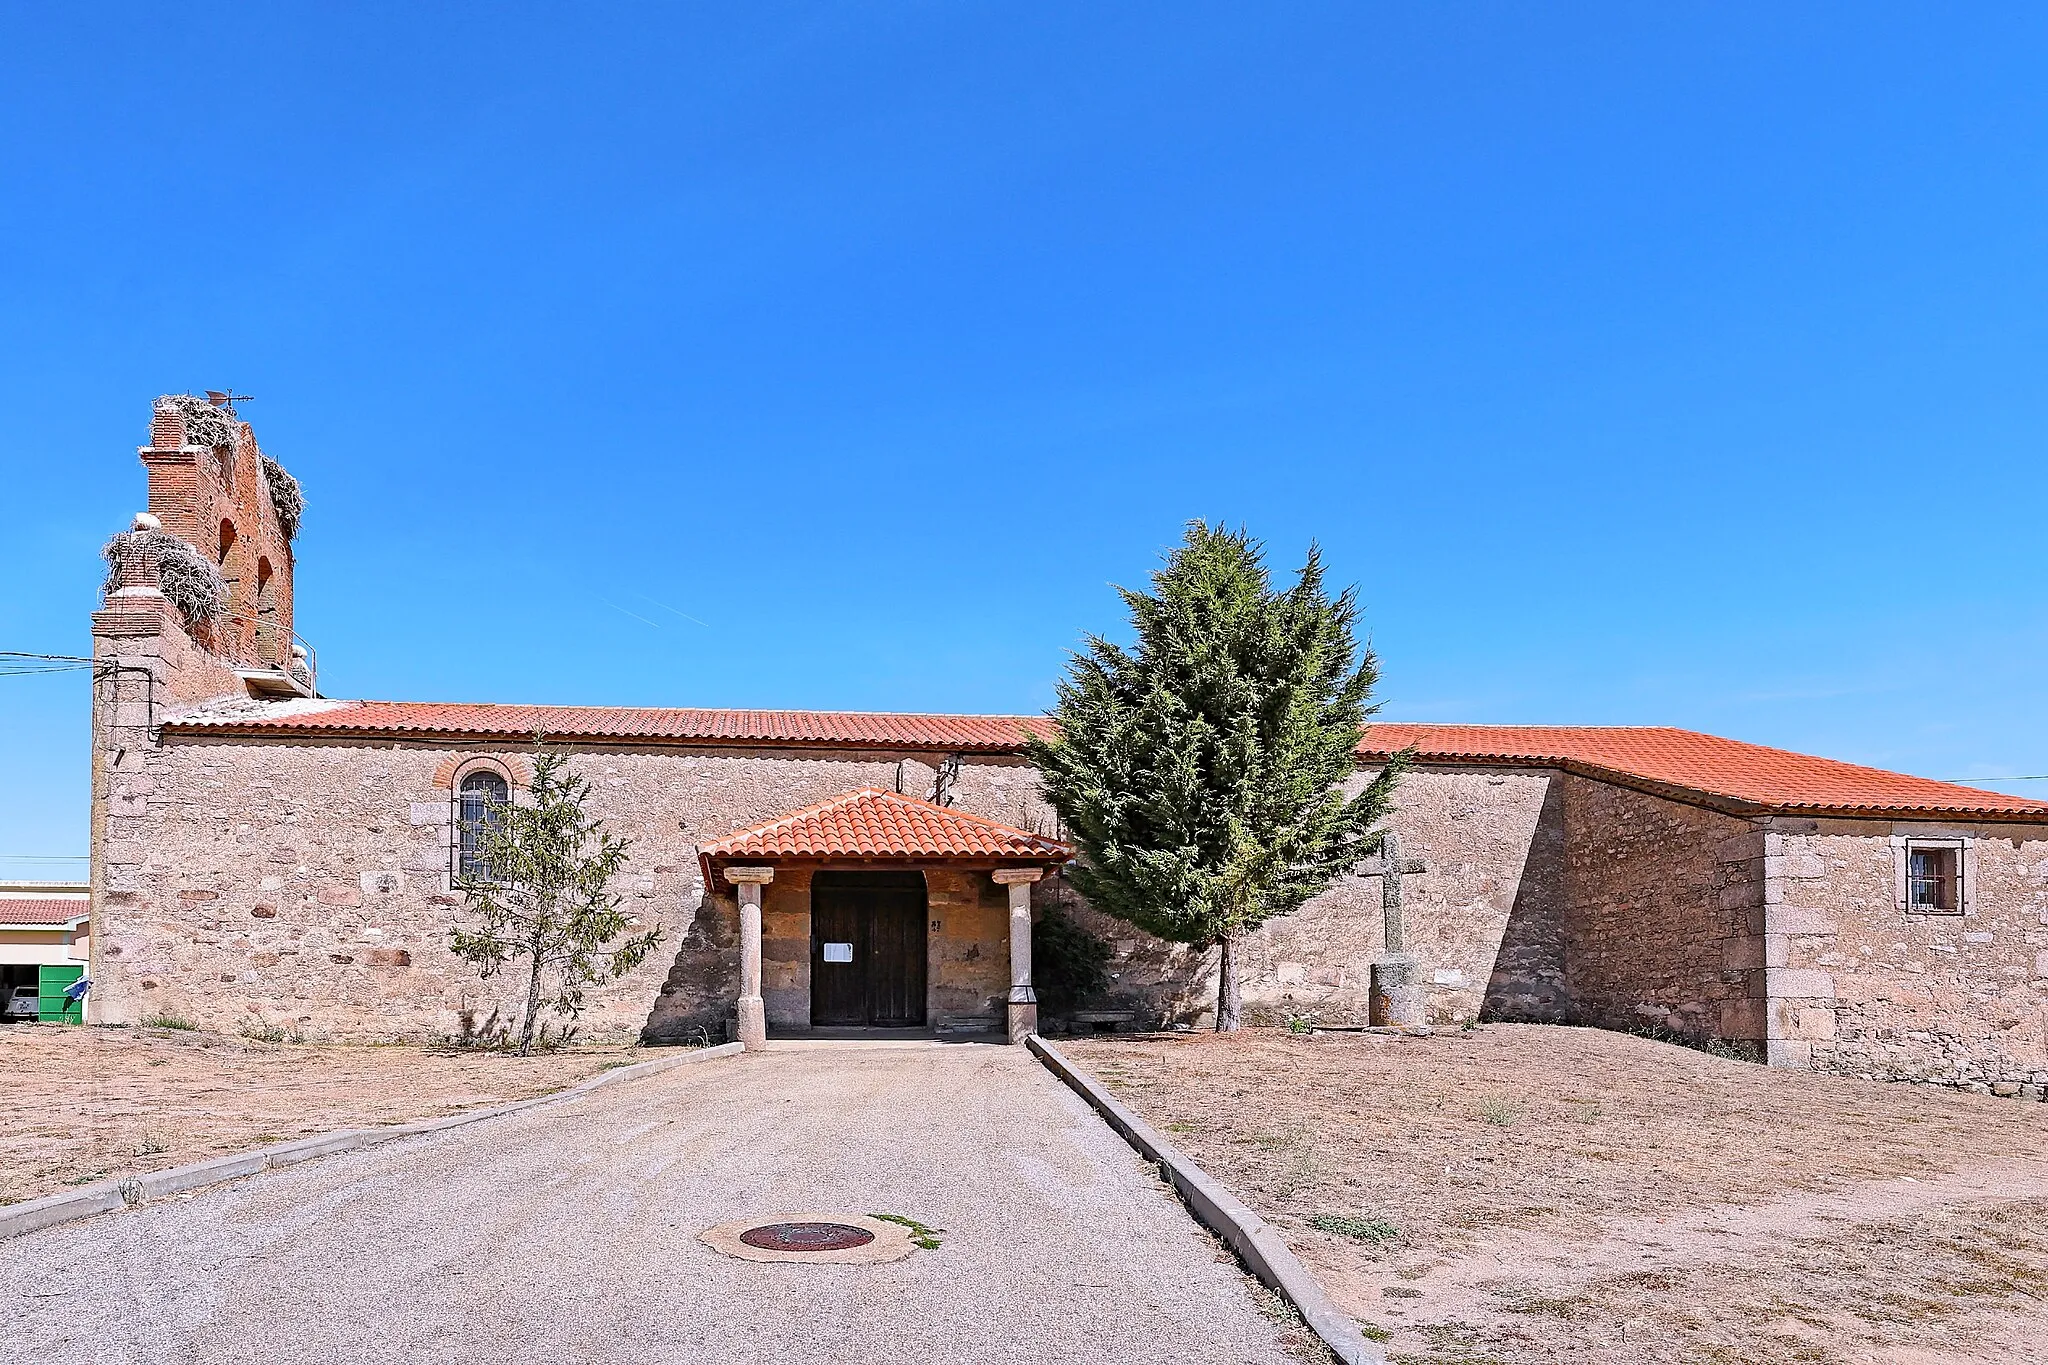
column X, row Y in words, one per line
column 212, row 488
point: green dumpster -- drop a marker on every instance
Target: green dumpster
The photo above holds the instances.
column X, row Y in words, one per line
column 51, row 1006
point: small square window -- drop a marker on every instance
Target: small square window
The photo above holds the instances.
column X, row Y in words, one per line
column 1934, row 879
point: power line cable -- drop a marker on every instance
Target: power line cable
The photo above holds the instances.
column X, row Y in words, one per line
column 14, row 663
column 1979, row 781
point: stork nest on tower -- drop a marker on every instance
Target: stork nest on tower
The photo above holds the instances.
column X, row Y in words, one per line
column 286, row 497
column 205, row 424
column 209, row 425
column 188, row 580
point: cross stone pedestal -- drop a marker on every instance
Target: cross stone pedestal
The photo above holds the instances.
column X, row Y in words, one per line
column 1396, row 992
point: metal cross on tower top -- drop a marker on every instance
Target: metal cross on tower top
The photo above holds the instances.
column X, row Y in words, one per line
column 1389, row 867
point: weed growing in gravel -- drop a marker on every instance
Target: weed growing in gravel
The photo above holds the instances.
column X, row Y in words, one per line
column 170, row 1021
column 1299, row 1342
column 87, row 1178
column 152, row 1144
column 925, row 1237
column 1497, row 1112
column 1371, row 1228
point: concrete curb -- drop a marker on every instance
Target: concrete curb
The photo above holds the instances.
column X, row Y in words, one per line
column 109, row 1195
column 1263, row 1250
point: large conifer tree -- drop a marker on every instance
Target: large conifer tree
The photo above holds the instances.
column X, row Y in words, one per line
column 1201, row 772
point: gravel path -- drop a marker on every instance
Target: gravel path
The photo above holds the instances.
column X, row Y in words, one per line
column 569, row 1234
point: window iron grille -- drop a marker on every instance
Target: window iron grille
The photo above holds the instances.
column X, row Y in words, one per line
column 482, row 793
column 1934, row 881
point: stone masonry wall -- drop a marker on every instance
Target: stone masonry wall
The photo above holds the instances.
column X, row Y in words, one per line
column 969, row 971
column 1871, row 990
column 305, row 886
column 1654, row 894
column 785, row 947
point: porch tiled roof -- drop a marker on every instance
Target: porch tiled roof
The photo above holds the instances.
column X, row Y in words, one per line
column 1727, row 773
column 870, row 824
column 54, row 911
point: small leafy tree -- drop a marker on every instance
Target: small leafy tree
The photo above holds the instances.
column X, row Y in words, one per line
column 546, row 897
column 1201, row 772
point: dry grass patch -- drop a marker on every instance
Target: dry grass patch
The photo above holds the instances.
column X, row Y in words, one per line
column 1523, row 1193
column 85, row 1104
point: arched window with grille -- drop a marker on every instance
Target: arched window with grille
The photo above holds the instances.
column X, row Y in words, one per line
column 480, row 793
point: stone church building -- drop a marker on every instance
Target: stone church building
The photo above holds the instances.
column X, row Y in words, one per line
column 266, row 857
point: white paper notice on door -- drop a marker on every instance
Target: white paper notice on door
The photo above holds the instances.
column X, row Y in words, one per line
column 839, row 952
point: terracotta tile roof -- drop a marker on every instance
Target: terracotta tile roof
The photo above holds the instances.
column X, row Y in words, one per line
column 1705, row 769
column 1684, row 764
column 41, row 910
column 869, row 823
column 826, row 729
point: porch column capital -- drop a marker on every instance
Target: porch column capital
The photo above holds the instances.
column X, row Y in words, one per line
column 757, row 876
column 1009, row 876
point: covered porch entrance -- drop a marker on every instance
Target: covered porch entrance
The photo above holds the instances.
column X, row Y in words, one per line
column 876, row 910
column 869, row 952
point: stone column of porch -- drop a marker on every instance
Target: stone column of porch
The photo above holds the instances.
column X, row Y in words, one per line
column 753, row 1026
column 1023, row 998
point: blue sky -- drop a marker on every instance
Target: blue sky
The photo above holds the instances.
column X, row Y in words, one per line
column 1673, row 364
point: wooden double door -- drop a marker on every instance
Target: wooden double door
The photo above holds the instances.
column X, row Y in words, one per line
column 868, row 949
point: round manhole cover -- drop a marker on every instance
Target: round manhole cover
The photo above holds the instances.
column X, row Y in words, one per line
column 811, row 1237
column 806, row 1237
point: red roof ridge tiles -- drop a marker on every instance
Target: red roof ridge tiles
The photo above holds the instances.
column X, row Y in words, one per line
column 1685, row 765
column 708, row 725
column 1727, row 774
column 871, row 824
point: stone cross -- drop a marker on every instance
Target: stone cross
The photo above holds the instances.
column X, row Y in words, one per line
column 1390, row 867
column 1396, row 999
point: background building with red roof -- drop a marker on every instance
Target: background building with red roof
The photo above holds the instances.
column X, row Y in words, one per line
column 263, row 853
column 45, row 942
